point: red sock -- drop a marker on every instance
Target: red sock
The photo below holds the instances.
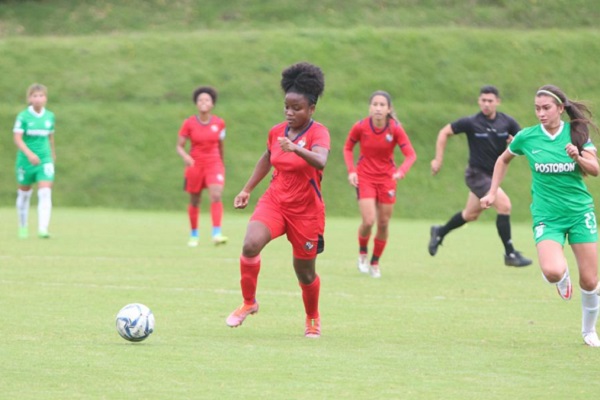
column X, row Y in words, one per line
column 216, row 212
column 249, row 269
column 363, row 243
column 193, row 213
column 378, row 246
column 310, row 296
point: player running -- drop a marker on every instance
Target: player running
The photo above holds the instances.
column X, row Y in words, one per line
column 560, row 154
column 34, row 138
column 375, row 175
column 292, row 205
column 205, row 167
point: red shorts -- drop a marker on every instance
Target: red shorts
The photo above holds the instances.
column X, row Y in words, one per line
column 304, row 232
column 383, row 192
column 198, row 178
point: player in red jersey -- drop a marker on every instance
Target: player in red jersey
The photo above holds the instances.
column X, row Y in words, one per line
column 204, row 163
column 292, row 205
column 375, row 175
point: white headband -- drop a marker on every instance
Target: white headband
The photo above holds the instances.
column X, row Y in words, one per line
column 549, row 93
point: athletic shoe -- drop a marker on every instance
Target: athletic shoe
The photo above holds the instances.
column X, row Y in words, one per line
column 363, row 264
column 516, row 259
column 313, row 328
column 374, row 271
column 23, row 233
column 434, row 239
column 219, row 239
column 43, row 235
column 238, row 316
column 591, row 339
column 193, row 241
column 564, row 288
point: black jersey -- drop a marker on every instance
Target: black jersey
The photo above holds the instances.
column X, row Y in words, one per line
column 486, row 137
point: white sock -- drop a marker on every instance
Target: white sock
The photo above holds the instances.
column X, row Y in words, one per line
column 23, row 199
column 590, row 303
column 44, row 208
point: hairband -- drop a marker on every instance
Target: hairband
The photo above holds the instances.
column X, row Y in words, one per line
column 549, row 93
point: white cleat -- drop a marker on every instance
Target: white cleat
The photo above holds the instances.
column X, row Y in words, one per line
column 374, row 271
column 564, row 287
column 591, row 339
column 363, row 264
column 193, row 242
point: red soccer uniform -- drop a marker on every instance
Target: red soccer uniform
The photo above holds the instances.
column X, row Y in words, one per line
column 205, row 150
column 376, row 164
column 293, row 203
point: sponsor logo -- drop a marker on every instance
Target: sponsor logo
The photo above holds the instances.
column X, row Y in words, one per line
column 554, row 168
column 535, row 151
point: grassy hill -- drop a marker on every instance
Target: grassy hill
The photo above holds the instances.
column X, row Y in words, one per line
column 121, row 75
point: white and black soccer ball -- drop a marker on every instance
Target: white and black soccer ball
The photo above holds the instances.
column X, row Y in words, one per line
column 135, row 322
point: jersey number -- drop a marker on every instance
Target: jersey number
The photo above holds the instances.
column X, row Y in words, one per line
column 590, row 222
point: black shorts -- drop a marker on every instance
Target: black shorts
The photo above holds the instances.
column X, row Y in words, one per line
column 478, row 181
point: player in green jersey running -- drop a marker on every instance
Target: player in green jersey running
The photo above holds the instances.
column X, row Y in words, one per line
column 34, row 137
column 560, row 154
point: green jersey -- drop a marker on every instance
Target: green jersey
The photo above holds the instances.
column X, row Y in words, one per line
column 35, row 129
column 557, row 187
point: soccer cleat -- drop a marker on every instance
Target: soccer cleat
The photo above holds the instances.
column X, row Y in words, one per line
column 516, row 259
column 363, row 264
column 313, row 328
column 238, row 316
column 591, row 339
column 193, row 241
column 43, row 235
column 219, row 239
column 564, row 288
column 23, row 233
column 374, row 271
column 434, row 239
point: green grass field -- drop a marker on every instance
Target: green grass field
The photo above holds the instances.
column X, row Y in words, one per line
column 457, row 326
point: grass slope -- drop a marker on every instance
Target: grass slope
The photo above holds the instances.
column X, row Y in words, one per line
column 457, row 326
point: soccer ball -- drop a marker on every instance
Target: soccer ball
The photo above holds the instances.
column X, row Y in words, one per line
column 135, row 322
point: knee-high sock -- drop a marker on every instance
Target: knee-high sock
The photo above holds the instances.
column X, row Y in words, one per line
column 44, row 208
column 23, row 200
column 193, row 214
column 249, row 269
column 590, row 303
column 503, row 227
column 378, row 247
column 216, row 213
column 310, row 296
column 363, row 243
column 456, row 221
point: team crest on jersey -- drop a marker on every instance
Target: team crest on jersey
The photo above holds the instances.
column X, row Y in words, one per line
column 48, row 124
column 391, row 193
column 309, row 246
column 301, row 143
column 214, row 128
column 389, row 137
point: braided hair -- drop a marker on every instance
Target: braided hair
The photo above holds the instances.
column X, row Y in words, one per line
column 305, row 79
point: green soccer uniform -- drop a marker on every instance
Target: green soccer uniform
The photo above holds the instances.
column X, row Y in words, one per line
column 35, row 129
column 560, row 199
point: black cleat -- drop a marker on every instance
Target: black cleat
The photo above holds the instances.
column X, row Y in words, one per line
column 516, row 259
column 435, row 239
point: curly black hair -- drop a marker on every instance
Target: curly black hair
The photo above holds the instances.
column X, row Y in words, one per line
column 305, row 79
column 205, row 89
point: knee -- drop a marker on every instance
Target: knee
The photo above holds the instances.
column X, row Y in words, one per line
column 251, row 247
column 215, row 197
column 470, row 217
column 368, row 222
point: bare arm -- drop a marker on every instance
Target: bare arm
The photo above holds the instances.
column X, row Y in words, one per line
column 51, row 141
column 262, row 168
column 187, row 159
column 316, row 157
column 440, row 146
column 587, row 159
column 500, row 169
column 31, row 156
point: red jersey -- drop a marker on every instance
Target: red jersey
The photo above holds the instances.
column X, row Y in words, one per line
column 204, row 139
column 376, row 160
column 296, row 185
